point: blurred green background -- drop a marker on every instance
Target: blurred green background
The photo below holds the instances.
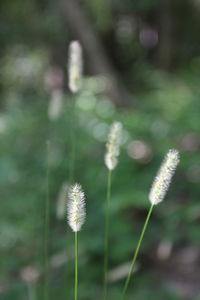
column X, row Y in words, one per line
column 142, row 67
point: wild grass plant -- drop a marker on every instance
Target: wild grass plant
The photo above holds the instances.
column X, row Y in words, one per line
column 76, row 218
column 76, row 204
column 74, row 83
column 157, row 194
column 76, row 199
column 111, row 160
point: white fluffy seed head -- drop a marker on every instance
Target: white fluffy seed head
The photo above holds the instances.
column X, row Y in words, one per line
column 76, row 207
column 164, row 176
column 75, row 66
column 113, row 145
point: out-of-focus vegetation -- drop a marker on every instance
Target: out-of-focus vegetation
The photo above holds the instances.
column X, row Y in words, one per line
column 152, row 49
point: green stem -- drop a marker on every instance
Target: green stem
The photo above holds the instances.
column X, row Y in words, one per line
column 76, row 267
column 106, row 236
column 73, row 142
column 72, row 154
column 137, row 251
column 46, row 232
column 31, row 292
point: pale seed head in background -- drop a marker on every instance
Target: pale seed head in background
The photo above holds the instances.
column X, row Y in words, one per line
column 163, row 178
column 76, row 207
column 75, row 66
column 113, row 145
column 61, row 201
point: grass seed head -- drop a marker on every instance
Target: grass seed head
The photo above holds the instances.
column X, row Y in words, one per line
column 76, row 207
column 164, row 176
column 113, row 145
column 75, row 66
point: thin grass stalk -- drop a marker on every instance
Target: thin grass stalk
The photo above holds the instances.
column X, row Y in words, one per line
column 31, row 292
column 137, row 251
column 72, row 157
column 106, row 236
column 75, row 68
column 73, row 142
column 46, row 231
column 76, row 267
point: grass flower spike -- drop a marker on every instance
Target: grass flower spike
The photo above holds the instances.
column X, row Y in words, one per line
column 164, row 176
column 75, row 66
column 76, row 207
column 113, row 145
column 157, row 194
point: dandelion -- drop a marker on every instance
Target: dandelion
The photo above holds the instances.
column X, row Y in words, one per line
column 157, row 194
column 75, row 66
column 111, row 160
column 76, row 218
